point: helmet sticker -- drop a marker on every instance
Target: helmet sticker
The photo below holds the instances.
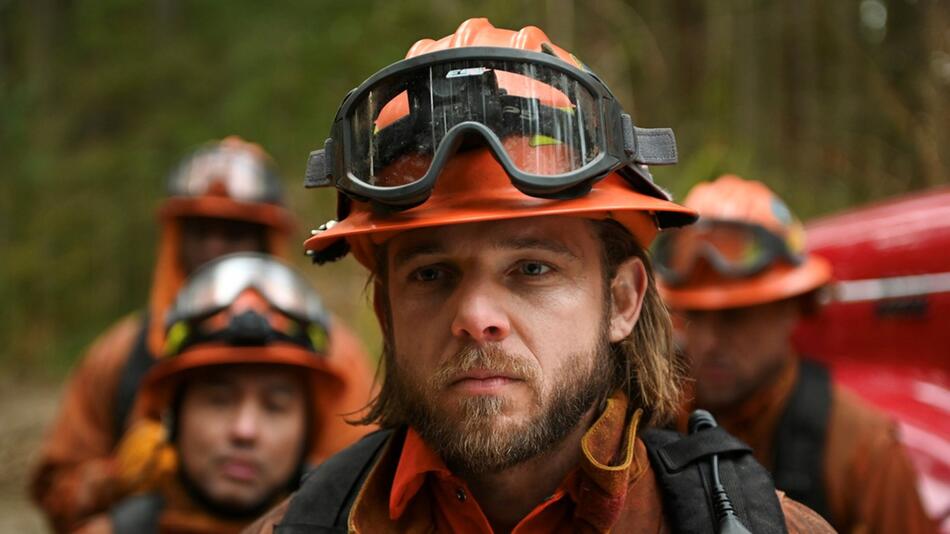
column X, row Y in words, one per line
column 781, row 211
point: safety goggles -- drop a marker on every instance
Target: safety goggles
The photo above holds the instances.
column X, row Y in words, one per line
column 216, row 286
column 554, row 128
column 733, row 249
column 244, row 176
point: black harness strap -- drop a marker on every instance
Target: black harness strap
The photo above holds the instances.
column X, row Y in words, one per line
column 685, row 481
column 800, row 439
column 137, row 515
column 322, row 504
column 137, row 364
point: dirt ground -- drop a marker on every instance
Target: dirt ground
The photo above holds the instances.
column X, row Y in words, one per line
column 25, row 410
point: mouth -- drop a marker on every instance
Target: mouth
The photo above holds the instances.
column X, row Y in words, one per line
column 239, row 469
column 483, row 381
column 716, row 371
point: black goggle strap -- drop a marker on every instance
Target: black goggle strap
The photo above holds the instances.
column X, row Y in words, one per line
column 247, row 329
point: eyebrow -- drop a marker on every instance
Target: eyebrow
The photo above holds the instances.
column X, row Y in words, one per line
column 514, row 243
column 403, row 256
column 521, row 243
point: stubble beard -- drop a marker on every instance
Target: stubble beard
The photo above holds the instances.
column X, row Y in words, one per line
column 474, row 435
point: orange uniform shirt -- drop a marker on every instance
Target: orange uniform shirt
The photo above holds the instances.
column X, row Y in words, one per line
column 870, row 484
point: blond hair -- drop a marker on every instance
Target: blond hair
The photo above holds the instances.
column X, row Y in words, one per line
column 646, row 367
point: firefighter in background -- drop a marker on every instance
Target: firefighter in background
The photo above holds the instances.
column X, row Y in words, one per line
column 738, row 281
column 226, row 197
column 247, row 395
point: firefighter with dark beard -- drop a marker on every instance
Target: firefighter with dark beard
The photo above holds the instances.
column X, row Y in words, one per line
column 741, row 280
column 498, row 194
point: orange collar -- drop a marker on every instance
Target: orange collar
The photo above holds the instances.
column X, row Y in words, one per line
column 416, row 460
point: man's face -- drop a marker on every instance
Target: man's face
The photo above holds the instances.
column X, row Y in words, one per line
column 204, row 239
column 241, row 432
column 498, row 345
column 735, row 352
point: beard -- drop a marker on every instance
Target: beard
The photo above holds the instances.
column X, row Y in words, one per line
column 472, row 434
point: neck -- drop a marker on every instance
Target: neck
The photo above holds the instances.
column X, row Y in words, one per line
column 508, row 496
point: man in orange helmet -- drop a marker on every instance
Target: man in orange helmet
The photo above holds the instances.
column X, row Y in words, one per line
column 499, row 197
column 247, row 395
column 226, row 197
column 740, row 278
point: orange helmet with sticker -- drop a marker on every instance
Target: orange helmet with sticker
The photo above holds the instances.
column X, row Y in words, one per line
column 747, row 249
column 521, row 129
column 253, row 309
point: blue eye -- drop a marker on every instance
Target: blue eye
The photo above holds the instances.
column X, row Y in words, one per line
column 533, row 268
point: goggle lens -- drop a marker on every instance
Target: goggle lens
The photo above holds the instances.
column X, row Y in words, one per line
column 546, row 122
column 243, row 176
column 732, row 249
column 217, row 285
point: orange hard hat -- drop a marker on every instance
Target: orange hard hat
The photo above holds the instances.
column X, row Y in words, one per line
column 228, row 179
column 251, row 309
column 747, row 249
column 474, row 186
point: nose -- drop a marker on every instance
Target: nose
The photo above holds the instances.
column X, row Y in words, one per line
column 245, row 427
column 701, row 335
column 480, row 316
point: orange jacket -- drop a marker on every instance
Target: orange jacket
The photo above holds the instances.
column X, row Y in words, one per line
column 870, row 484
column 613, row 489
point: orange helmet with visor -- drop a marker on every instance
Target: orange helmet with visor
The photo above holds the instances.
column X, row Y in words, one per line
column 747, row 249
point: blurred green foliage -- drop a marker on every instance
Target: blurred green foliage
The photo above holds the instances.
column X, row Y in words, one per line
column 98, row 100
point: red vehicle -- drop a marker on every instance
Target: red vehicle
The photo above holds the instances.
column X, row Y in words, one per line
column 885, row 332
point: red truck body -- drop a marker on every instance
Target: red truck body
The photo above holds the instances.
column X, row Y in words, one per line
column 885, row 331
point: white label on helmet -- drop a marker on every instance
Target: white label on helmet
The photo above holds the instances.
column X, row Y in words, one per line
column 462, row 73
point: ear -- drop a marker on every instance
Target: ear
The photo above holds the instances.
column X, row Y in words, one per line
column 627, row 289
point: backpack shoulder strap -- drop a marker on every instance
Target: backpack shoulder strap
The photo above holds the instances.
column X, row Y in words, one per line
column 683, row 472
column 137, row 364
column 800, row 438
column 326, row 494
column 137, row 515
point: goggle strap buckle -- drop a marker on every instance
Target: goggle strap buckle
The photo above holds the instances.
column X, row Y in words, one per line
column 629, row 135
column 319, row 166
column 654, row 146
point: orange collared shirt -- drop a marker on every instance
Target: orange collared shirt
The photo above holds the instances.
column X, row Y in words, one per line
column 421, row 473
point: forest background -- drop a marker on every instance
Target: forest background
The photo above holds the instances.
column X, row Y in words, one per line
column 833, row 104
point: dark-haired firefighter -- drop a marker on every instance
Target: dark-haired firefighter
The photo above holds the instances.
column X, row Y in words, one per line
column 242, row 402
column 225, row 197
column 528, row 355
column 740, row 279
